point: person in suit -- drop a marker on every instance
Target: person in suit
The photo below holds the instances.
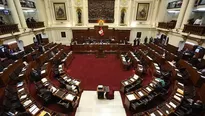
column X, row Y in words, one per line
column 198, row 21
column 150, row 40
column 138, row 41
column 2, row 22
column 33, row 20
column 145, row 40
column 135, row 41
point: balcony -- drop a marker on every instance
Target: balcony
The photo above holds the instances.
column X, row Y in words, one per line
column 174, row 4
column 28, row 4
column 34, row 25
column 194, row 29
column 10, row 28
column 167, row 25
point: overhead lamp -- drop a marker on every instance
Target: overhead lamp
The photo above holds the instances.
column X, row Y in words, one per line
column 1, row 7
column 190, row 43
column 30, row 10
column 11, row 42
column 200, row 9
column 173, row 11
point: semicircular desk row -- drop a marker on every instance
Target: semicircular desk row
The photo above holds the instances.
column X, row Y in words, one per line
column 150, row 60
column 143, row 61
column 45, row 62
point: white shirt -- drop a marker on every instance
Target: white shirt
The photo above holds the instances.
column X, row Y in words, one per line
column 198, row 21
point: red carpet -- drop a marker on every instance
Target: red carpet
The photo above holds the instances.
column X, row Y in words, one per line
column 93, row 71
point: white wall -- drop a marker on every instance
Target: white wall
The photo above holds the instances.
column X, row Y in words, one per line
column 146, row 32
column 27, row 38
column 174, row 38
column 54, row 35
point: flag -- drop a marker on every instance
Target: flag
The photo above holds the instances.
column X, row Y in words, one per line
column 101, row 31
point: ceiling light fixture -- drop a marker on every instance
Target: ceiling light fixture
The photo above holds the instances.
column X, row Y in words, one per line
column 200, row 9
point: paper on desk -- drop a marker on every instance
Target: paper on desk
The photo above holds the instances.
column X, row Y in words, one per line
column 157, row 68
column 180, row 91
column 177, row 98
column 35, row 111
column 160, row 113
column 172, row 104
column 53, row 89
column 180, row 84
column 132, row 79
column 43, row 71
column 123, row 59
column 23, row 96
column 126, row 83
column 152, row 114
column 32, row 108
column 27, row 102
column 148, row 89
column 70, row 97
column 131, row 97
column 19, row 84
column 179, row 75
column 179, row 95
column 155, row 64
column 60, row 66
column 68, row 80
column 20, row 89
column 149, row 58
column 76, row 82
column 135, row 76
column 21, row 74
column 141, row 94
column 151, row 84
column 43, row 80
column 168, row 106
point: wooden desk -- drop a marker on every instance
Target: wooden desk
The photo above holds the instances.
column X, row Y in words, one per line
column 60, row 93
column 92, row 48
column 166, row 109
column 156, row 112
column 130, row 82
column 130, row 98
column 125, row 64
column 194, row 74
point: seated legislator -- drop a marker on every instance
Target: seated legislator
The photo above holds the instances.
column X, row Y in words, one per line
column 198, row 21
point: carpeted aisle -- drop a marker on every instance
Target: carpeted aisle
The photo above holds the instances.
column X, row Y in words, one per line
column 93, row 71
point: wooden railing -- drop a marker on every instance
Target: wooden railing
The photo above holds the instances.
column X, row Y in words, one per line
column 194, row 29
column 167, row 25
column 11, row 28
column 34, row 25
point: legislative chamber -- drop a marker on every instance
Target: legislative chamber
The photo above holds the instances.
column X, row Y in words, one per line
column 102, row 58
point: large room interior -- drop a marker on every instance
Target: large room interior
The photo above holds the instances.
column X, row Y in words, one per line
column 102, row 58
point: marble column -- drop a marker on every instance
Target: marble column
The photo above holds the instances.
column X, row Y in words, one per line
column 181, row 13
column 156, row 10
column 14, row 13
column 41, row 11
column 47, row 9
column 20, row 13
column 162, row 11
column 188, row 12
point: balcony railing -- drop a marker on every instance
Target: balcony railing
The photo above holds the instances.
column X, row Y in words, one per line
column 167, row 25
column 194, row 29
column 6, row 29
column 174, row 4
column 28, row 4
column 34, row 25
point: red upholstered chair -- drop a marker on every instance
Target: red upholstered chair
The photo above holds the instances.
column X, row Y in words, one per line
column 110, row 94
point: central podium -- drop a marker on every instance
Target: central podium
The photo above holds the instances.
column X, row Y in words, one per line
column 100, row 53
column 100, row 40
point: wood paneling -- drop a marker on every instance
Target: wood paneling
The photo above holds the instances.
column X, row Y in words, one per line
column 98, row 9
column 81, row 35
